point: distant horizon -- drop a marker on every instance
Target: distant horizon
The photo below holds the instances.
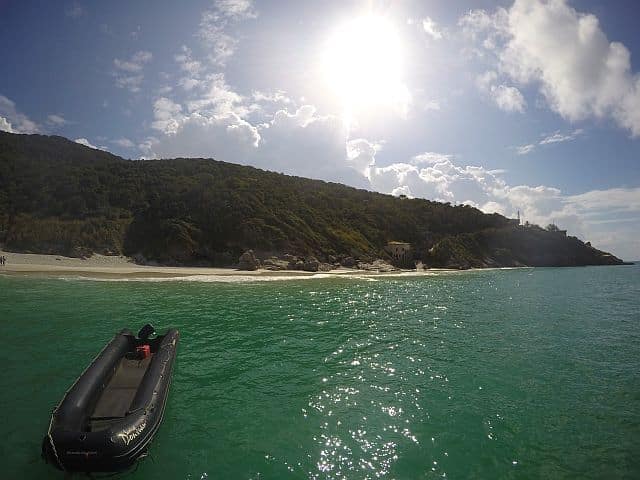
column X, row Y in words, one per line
column 521, row 105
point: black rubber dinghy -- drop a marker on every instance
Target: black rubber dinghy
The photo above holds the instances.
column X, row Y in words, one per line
column 107, row 419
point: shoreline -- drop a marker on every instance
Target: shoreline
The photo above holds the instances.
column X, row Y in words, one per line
column 120, row 267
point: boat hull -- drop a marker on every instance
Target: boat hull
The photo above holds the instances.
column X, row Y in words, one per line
column 76, row 441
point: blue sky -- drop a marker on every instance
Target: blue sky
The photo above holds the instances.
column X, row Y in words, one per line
column 530, row 105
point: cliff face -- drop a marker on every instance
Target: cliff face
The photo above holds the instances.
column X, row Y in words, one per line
column 516, row 246
column 60, row 197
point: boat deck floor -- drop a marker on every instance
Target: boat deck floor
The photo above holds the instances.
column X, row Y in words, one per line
column 116, row 398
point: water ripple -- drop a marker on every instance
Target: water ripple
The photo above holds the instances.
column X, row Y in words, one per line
column 502, row 374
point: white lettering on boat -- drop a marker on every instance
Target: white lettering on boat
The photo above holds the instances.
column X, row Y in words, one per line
column 132, row 433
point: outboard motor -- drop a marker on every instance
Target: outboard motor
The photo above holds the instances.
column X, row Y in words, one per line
column 144, row 350
column 146, row 331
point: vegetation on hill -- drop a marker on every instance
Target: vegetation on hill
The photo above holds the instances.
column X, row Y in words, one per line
column 60, row 197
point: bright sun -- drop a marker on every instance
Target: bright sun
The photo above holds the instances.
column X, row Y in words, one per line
column 362, row 64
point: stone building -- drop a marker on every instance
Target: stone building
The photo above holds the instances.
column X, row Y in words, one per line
column 400, row 253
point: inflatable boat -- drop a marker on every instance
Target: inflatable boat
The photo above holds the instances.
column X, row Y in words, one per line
column 107, row 419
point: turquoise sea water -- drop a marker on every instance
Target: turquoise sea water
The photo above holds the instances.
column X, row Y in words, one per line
column 526, row 373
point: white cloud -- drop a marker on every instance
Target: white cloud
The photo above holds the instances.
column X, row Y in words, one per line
column 618, row 200
column 493, row 207
column 191, row 67
column 75, row 10
column 226, row 137
column 189, row 84
column 485, row 80
column 399, row 191
column 128, row 73
column 431, row 105
column 485, row 30
column 431, row 158
column 124, row 143
column 401, row 177
column 209, row 125
column 434, row 176
column 56, row 120
column 186, row 61
column 558, row 137
column 305, row 143
column 611, row 219
column 17, row 121
column 525, row 149
column 277, row 96
column 505, row 97
column 216, row 98
column 580, row 73
column 168, row 116
column 130, row 82
column 222, row 45
column 146, row 148
column 361, row 155
column 135, row 64
column 86, row 143
column 215, row 24
column 262, row 105
column 213, row 122
column 302, row 117
column 299, row 143
column 431, row 28
column 209, row 106
column 142, row 56
column 5, row 126
column 508, row 99
column 236, row 9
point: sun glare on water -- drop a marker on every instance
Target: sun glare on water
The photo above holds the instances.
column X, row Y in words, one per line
column 363, row 65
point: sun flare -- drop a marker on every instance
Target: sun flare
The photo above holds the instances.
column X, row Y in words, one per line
column 363, row 64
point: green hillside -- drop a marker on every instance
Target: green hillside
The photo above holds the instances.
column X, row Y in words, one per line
column 60, row 197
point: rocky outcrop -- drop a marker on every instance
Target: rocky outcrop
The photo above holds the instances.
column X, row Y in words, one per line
column 377, row 266
column 311, row 264
column 348, row 262
column 293, row 262
column 275, row 264
column 248, row 261
column 514, row 247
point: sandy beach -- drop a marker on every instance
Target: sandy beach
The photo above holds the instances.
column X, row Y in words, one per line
column 101, row 266
column 116, row 266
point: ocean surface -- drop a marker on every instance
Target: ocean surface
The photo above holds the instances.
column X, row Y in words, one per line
column 523, row 373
